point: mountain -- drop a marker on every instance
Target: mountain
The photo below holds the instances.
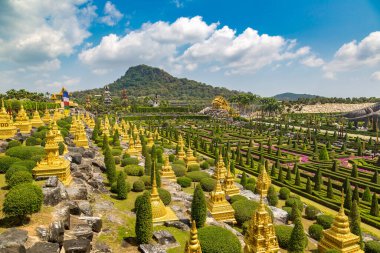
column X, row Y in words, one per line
column 288, row 96
column 143, row 80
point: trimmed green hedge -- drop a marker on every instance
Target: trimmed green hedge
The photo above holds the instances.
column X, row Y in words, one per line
column 244, row 210
column 372, row 247
column 315, row 231
column 218, row 240
column 134, row 170
column 26, row 152
column 179, row 170
column 325, row 220
column 208, row 184
column 283, row 234
column 197, row 176
column 138, row 186
column 184, row 181
column 6, row 162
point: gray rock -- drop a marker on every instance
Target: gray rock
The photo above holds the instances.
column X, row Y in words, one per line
column 3, row 146
column 77, row 190
column 164, row 237
column 88, row 153
column 177, row 224
column 82, row 231
column 43, row 233
column 69, row 142
column 13, row 241
column 85, row 207
column 76, row 158
column 94, row 222
column 44, row 247
column 54, row 195
column 62, row 213
column 56, row 232
column 151, row 248
column 79, row 150
column 73, row 207
column 101, row 248
column 51, row 182
column 99, row 162
column 77, row 246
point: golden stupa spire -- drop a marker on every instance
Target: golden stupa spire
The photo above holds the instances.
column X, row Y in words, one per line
column 193, row 245
column 154, row 184
column 229, row 183
column 2, row 106
column 263, row 182
column 220, row 169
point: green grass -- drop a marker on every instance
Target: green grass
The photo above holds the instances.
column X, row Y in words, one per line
column 179, row 235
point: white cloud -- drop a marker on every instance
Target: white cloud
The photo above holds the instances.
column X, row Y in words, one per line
column 376, row 76
column 35, row 32
column 354, row 55
column 312, row 61
column 111, row 14
column 178, row 3
column 189, row 44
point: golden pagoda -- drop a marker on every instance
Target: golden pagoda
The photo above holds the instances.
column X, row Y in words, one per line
column 116, row 127
column 52, row 164
column 229, row 184
column 106, row 127
column 135, row 131
column 36, row 120
column 124, row 136
column 190, row 158
column 22, row 121
column 90, row 122
column 74, row 126
column 80, row 139
column 150, row 141
column 57, row 114
column 219, row 207
column 7, row 129
column 263, row 182
column 160, row 212
column 220, row 169
column 138, row 145
column 261, row 236
column 193, row 245
column 47, row 117
column 132, row 151
column 167, row 170
column 181, row 153
column 156, row 134
column 339, row 236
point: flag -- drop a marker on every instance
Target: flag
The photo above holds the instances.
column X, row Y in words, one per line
column 66, row 99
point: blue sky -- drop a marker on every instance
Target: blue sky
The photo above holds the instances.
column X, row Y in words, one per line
column 329, row 48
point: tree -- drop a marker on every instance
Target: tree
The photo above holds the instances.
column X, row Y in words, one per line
column 298, row 239
column 144, row 223
column 330, row 193
column 148, row 165
column 354, row 172
column 348, row 199
column 375, row 177
column 324, row 154
column 280, row 175
column 355, row 194
column 272, row 196
column 109, row 161
column 355, row 220
column 243, row 180
column 116, row 139
column 295, row 212
column 309, row 189
column 288, row 174
column 366, row 195
column 374, row 206
column 198, row 207
column 121, row 186
column 105, row 142
column 318, row 180
column 297, row 181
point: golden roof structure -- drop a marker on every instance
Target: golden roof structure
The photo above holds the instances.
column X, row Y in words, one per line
column 7, row 129
column 339, row 236
column 181, row 153
column 132, row 151
column 80, row 139
column 47, row 117
column 167, row 170
column 229, row 183
column 150, row 142
column 220, row 169
column 263, row 182
column 36, row 120
column 190, row 158
column 193, row 245
column 22, row 121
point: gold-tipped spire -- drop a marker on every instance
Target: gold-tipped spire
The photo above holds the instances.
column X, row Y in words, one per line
column 229, row 183
column 22, row 121
column 193, row 245
column 263, row 182
column 167, row 170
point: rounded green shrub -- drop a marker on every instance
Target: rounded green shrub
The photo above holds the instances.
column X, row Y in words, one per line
column 13, row 143
column 250, row 187
column 218, row 240
column 184, row 181
column 13, row 169
column 284, row 193
column 116, row 152
column 171, row 158
column 165, row 196
column 146, row 180
column 20, row 177
column 311, row 212
column 179, row 170
column 138, row 186
column 251, row 180
column 211, row 161
column 29, row 164
column 33, row 141
column 134, row 170
column 283, row 234
column 205, row 165
column 236, row 198
column 289, row 202
column 244, row 210
column 287, row 209
column 197, row 176
column 129, row 161
column 193, row 167
column 179, row 162
column 6, row 162
column 325, row 220
column 372, row 247
column 208, row 184
column 315, row 231
column 25, row 152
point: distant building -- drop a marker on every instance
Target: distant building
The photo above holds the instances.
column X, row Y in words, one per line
column 107, row 95
column 63, row 99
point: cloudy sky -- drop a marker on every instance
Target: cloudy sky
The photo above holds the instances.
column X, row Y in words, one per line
column 324, row 47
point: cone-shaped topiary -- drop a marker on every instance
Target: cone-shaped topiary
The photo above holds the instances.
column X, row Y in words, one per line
column 144, row 223
column 121, row 186
column 374, row 206
column 199, row 207
column 298, row 239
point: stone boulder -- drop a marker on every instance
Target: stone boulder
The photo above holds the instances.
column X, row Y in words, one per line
column 89, row 153
column 79, row 150
column 76, row 157
column 44, row 247
column 62, row 213
column 177, row 224
column 99, row 163
column 77, row 246
column 102, row 248
column 82, row 231
column 151, row 248
column 56, row 232
column 77, row 190
column 73, row 207
column 54, row 194
column 3, row 146
column 85, row 207
column 164, row 237
column 70, row 143
column 42, row 233
column 94, row 222
column 13, row 241
column 52, row 182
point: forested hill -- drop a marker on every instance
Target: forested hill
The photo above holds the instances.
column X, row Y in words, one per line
column 143, row 80
column 288, row 96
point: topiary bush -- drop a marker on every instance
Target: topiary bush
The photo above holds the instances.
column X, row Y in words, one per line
column 138, row 186
column 218, row 240
column 372, row 247
column 6, row 162
column 311, row 212
column 197, row 176
column 33, row 141
column 283, row 234
column 236, row 198
column 116, row 152
column 184, row 181
column 29, row 164
column 208, row 184
column 284, row 193
column 13, row 169
column 20, row 177
column 129, row 161
column 26, row 152
column 325, row 220
column 165, row 196
column 61, row 148
column 289, row 202
column 13, row 143
column 244, row 210
column 134, row 170
column 205, row 165
column 250, row 187
column 251, row 180
column 179, row 162
column 179, row 170
column 193, row 167
column 315, row 231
